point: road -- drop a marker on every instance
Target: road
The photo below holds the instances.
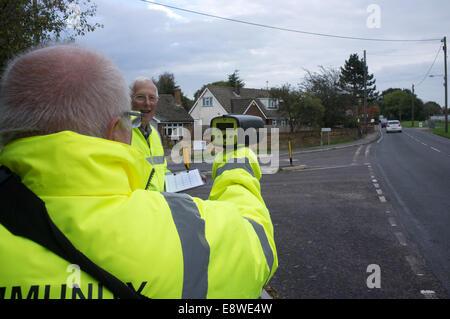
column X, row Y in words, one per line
column 414, row 167
column 338, row 224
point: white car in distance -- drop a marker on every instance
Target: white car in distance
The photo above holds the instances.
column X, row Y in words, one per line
column 393, row 126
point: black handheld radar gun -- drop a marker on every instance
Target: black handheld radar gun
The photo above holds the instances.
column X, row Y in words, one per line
column 236, row 129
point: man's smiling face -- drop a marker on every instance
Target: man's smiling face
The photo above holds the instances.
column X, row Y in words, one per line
column 145, row 100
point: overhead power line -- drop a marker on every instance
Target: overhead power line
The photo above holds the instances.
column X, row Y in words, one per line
column 429, row 70
column 286, row 29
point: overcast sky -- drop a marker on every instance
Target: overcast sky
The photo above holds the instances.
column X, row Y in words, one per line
column 147, row 40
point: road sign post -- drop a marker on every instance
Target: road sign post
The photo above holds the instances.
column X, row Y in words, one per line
column 325, row 129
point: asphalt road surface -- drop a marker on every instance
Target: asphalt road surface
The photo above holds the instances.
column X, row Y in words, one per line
column 340, row 232
column 414, row 167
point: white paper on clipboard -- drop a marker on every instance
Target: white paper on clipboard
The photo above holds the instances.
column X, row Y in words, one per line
column 181, row 181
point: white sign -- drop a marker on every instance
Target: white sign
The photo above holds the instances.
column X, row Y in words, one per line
column 326, row 129
column 199, row 146
column 420, row 124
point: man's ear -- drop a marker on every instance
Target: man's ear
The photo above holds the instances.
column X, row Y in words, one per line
column 118, row 132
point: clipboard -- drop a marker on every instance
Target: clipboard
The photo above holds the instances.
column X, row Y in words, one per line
column 183, row 180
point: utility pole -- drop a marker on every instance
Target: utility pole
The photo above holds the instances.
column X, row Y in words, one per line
column 445, row 83
column 365, row 93
column 412, row 106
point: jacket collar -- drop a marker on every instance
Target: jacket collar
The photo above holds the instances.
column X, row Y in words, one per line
column 67, row 163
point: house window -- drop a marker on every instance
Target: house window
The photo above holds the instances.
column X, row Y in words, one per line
column 207, row 101
column 174, row 129
column 279, row 123
column 273, row 104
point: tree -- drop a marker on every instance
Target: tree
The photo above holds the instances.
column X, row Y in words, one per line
column 234, row 80
column 27, row 23
column 351, row 81
column 166, row 85
column 289, row 102
column 432, row 108
column 398, row 105
column 325, row 86
column 310, row 111
column 300, row 108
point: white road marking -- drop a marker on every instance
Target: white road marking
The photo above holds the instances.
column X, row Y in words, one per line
column 382, row 199
column 381, row 135
column 415, row 266
column 428, row 294
column 357, row 153
column 425, row 144
column 435, row 149
column 401, row 238
column 379, row 191
column 376, row 185
column 366, row 153
column 392, row 221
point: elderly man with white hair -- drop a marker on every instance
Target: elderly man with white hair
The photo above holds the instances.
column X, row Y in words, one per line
column 144, row 98
column 77, row 219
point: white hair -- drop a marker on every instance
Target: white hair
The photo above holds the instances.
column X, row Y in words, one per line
column 58, row 88
column 141, row 79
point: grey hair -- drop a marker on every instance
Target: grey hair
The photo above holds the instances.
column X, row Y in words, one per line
column 58, row 88
column 141, row 79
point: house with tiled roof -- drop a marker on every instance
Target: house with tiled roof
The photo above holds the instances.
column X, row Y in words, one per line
column 171, row 117
column 220, row 100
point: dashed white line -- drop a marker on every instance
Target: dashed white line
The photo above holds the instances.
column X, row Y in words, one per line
column 415, row 266
column 382, row 199
column 379, row 192
column 425, row 144
column 401, row 238
column 435, row 149
column 392, row 221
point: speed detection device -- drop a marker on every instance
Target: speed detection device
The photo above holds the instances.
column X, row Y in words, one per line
column 234, row 129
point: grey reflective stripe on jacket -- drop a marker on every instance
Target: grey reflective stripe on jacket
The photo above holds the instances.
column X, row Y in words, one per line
column 268, row 253
column 259, row 230
column 156, row 160
column 191, row 230
column 245, row 165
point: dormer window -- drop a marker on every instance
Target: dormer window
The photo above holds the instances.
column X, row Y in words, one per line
column 273, row 104
column 207, row 101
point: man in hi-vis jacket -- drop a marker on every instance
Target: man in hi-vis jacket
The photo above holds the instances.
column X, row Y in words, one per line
column 65, row 133
column 144, row 98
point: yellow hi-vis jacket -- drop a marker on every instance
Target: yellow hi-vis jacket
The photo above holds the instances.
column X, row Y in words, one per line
column 154, row 153
column 164, row 245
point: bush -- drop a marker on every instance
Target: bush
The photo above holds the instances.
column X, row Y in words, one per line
column 350, row 122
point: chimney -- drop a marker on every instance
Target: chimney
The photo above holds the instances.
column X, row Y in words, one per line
column 177, row 96
column 237, row 89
